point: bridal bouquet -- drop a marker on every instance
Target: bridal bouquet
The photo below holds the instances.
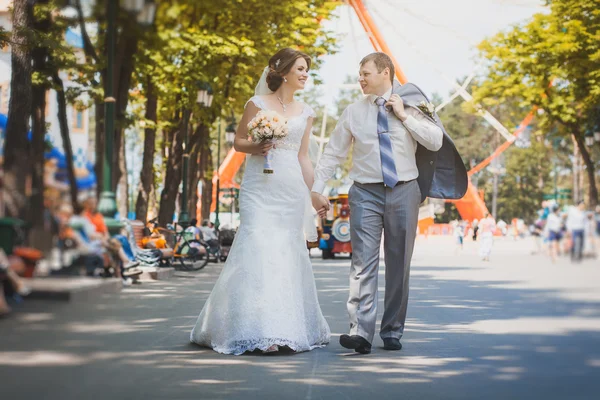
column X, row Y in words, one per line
column 265, row 126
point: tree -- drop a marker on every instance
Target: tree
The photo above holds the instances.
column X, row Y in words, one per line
column 218, row 42
column 524, row 184
column 551, row 62
column 16, row 162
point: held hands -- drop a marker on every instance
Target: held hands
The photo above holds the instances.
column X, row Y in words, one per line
column 320, row 203
column 397, row 105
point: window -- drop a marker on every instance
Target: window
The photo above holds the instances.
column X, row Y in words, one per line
column 78, row 120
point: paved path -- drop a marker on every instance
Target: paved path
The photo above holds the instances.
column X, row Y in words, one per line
column 515, row 328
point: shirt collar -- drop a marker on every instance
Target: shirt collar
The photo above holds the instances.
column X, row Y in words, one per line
column 386, row 96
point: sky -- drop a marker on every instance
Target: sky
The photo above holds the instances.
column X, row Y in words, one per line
column 434, row 41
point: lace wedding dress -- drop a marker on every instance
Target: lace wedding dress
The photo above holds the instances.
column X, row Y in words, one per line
column 266, row 293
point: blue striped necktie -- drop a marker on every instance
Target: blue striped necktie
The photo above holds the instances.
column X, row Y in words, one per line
column 388, row 166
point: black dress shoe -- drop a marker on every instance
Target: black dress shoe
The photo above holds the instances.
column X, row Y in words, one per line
column 392, row 344
column 356, row 343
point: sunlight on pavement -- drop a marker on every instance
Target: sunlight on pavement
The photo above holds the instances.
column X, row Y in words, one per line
column 530, row 326
column 39, row 359
column 318, row 382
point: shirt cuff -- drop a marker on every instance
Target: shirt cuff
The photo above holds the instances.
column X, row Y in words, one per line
column 318, row 187
column 411, row 123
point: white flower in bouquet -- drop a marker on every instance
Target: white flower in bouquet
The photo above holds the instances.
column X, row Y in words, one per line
column 267, row 125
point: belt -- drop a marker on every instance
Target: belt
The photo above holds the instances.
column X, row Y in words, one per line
column 399, row 183
column 383, row 184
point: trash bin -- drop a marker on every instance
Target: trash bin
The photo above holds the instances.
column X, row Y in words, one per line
column 9, row 234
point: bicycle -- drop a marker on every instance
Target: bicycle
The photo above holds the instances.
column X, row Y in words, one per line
column 192, row 254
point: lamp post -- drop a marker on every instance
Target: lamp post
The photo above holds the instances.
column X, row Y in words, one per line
column 555, row 141
column 204, row 98
column 144, row 11
column 217, row 222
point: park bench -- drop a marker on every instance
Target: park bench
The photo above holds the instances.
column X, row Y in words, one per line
column 135, row 236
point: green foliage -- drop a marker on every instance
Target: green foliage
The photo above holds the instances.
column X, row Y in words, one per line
column 527, row 178
column 4, row 37
column 560, row 47
column 226, row 43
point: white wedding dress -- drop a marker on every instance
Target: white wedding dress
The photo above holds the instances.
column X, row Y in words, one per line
column 266, row 293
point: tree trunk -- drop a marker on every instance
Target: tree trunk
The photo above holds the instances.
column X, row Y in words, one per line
column 147, row 172
column 195, row 172
column 100, row 142
column 207, row 176
column 122, row 189
column 194, row 178
column 64, row 134
column 589, row 164
column 40, row 65
column 168, row 196
column 152, row 203
column 16, row 154
column 124, row 67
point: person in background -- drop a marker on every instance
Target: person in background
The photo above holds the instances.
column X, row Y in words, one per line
column 193, row 228
column 589, row 242
column 459, row 235
column 576, row 222
column 487, row 227
column 94, row 233
column 8, row 276
column 91, row 213
column 537, row 231
column 208, row 232
column 475, row 229
column 554, row 231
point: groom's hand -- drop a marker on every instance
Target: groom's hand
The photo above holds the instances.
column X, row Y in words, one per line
column 397, row 105
column 320, row 203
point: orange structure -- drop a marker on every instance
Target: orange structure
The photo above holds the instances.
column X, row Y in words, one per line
column 230, row 166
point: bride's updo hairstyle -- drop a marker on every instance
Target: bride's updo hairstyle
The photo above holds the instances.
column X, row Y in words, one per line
column 281, row 63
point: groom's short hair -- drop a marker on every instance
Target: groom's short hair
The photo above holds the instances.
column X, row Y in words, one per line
column 382, row 61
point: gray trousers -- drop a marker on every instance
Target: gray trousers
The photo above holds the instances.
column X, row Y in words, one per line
column 375, row 208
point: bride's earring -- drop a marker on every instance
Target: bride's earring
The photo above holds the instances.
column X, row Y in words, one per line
column 285, row 79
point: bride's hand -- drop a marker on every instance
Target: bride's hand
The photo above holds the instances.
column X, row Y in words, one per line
column 320, row 203
column 263, row 148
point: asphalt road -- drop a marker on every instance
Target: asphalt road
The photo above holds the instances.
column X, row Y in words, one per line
column 517, row 327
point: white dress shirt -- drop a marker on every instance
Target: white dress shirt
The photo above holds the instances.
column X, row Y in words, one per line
column 357, row 127
column 576, row 219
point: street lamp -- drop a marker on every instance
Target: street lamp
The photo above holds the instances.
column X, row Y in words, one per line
column 589, row 138
column 107, row 205
column 217, row 222
column 555, row 141
column 204, row 97
column 230, row 131
column 205, row 94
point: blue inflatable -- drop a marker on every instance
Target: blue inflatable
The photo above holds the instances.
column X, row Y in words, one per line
column 83, row 183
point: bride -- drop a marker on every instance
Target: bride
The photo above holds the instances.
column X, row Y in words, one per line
column 265, row 298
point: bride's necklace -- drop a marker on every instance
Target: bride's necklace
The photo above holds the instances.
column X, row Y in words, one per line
column 283, row 105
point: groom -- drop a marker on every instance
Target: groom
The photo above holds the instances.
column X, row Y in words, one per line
column 393, row 165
